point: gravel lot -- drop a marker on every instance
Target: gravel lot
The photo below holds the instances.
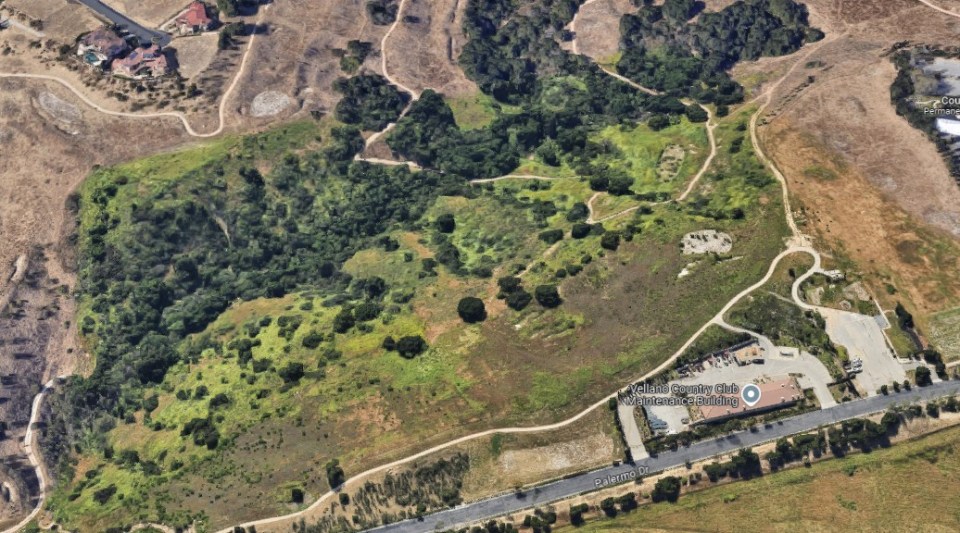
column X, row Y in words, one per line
column 862, row 337
column 269, row 103
column 706, row 241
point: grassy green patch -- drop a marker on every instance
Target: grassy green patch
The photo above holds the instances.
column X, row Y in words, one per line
column 477, row 110
column 945, row 333
column 641, row 154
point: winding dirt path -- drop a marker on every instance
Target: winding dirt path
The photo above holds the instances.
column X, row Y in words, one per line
column 938, row 8
column 221, row 111
column 574, row 46
column 515, row 177
column 383, row 54
column 711, row 137
column 414, row 96
column 533, row 429
column 29, row 445
column 711, row 126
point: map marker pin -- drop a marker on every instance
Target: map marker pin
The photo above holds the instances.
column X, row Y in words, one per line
column 750, row 394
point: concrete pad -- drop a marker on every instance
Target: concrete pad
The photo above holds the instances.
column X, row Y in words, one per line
column 631, row 432
column 862, row 337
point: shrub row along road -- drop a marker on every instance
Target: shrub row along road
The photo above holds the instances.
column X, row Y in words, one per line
column 569, row 487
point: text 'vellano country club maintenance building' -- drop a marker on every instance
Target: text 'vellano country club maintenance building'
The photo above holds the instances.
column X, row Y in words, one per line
column 775, row 394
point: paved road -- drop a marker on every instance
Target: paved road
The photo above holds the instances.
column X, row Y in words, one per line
column 509, row 503
column 146, row 35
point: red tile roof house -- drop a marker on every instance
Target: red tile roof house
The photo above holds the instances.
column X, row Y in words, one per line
column 101, row 46
column 150, row 62
column 194, row 19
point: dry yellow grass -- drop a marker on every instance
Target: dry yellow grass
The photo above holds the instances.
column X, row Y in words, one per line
column 912, row 486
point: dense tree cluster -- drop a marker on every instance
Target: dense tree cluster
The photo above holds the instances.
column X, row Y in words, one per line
column 512, row 291
column 862, row 434
column 667, row 489
column 471, row 310
column 383, row 12
column 514, row 56
column 354, row 56
column 369, row 101
column 663, row 50
column 798, row 449
column 156, row 270
column 233, row 8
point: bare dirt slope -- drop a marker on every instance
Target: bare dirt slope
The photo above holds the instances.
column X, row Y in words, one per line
column 874, row 188
column 298, row 54
column 422, row 52
column 62, row 21
column 597, row 26
column 149, row 12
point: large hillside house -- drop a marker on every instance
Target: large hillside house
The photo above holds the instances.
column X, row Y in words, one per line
column 194, row 19
column 149, row 62
column 101, row 46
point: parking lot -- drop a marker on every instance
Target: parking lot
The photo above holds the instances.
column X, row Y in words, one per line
column 810, row 372
column 862, row 337
column 778, row 362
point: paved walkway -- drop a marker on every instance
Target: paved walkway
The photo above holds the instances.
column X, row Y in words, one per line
column 631, row 431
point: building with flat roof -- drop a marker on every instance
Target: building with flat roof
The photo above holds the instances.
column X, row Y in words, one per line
column 774, row 394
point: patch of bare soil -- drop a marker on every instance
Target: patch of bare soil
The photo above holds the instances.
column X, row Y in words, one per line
column 872, row 187
column 62, row 21
column 706, row 241
column 149, row 12
column 424, row 49
column 544, row 461
column 597, row 28
column 64, row 114
column 37, row 333
column 298, row 55
column 269, row 103
column 195, row 53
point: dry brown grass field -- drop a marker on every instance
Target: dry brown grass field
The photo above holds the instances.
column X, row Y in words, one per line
column 148, row 12
column 423, row 51
column 872, row 188
column 62, row 21
column 297, row 57
column 912, row 486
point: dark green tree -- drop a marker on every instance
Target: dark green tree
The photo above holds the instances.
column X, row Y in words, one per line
column 471, row 310
column 547, row 295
